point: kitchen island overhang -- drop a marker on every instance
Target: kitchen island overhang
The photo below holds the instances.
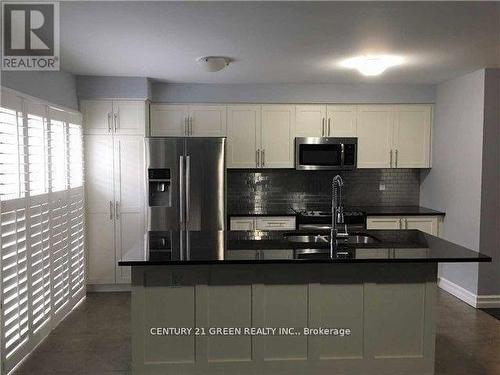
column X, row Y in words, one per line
column 386, row 301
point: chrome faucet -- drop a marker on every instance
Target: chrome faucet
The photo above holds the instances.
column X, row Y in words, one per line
column 337, row 209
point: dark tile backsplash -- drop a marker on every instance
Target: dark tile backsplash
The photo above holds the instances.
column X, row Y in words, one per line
column 267, row 191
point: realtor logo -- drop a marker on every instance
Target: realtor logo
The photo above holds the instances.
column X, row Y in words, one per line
column 30, row 36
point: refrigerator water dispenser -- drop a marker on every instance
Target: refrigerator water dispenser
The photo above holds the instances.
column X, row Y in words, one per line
column 159, row 187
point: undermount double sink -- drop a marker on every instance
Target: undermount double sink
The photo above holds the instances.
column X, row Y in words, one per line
column 355, row 238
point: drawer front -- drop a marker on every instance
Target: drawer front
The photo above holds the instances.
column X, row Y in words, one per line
column 383, row 222
column 275, row 223
column 242, row 223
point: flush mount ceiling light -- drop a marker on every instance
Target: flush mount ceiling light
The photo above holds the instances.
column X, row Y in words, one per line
column 213, row 63
column 372, row 65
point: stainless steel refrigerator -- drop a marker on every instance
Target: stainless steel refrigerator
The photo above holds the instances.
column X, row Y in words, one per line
column 186, row 187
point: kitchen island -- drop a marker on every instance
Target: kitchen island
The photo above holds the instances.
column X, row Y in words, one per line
column 276, row 302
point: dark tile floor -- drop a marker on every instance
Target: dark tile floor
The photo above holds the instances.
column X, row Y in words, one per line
column 95, row 339
column 493, row 312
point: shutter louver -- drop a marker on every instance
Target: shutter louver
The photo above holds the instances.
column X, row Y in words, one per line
column 15, row 328
column 40, row 256
column 12, row 183
column 37, row 154
column 75, row 155
column 59, row 250
column 77, row 236
column 57, row 149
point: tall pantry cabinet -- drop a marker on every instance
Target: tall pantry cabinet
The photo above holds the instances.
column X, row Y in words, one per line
column 114, row 173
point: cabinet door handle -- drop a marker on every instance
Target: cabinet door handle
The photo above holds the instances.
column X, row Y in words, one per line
column 181, row 190
column 257, row 157
column 110, row 210
column 190, row 126
column 263, row 158
column 188, row 187
column 323, row 127
column 109, row 122
column 396, row 158
column 117, row 210
column 328, row 126
column 406, row 223
column 115, row 120
column 390, row 155
column 185, row 126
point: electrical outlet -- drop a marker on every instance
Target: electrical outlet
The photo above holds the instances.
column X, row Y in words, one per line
column 381, row 187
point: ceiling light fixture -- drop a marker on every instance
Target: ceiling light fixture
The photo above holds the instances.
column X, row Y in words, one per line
column 372, row 65
column 213, row 63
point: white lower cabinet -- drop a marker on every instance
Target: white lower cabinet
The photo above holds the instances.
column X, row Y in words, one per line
column 114, row 174
column 383, row 222
column 262, row 223
column 427, row 224
column 242, row 223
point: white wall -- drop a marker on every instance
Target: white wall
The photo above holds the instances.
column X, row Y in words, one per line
column 291, row 93
column 57, row 87
column 104, row 87
column 453, row 184
column 489, row 273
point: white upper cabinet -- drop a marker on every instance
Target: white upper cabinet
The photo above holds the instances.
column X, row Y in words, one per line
column 375, row 136
column 412, row 136
column 243, row 136
column 197, row 120
column 97, row 116
column 277, row 140
column 207, row 120
column 397, row 136
column 262, row 136
column 310, row 120
column 169, row 120
column 129, row 117
column 341, row 121
column 113, row 116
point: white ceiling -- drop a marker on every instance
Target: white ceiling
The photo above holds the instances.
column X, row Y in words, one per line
column 293, row 42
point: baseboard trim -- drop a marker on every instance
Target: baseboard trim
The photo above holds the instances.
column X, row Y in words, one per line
column 477, row 301
column 108, row 288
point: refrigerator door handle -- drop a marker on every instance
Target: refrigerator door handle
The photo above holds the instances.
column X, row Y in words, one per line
column 188, row 188
column 181, row 191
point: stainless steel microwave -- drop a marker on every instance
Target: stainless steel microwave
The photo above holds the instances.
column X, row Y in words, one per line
column 322, row 153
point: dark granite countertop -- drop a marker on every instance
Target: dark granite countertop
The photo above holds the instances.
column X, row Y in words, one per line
column 229, row 247
column 400, row 211
column 284, row 210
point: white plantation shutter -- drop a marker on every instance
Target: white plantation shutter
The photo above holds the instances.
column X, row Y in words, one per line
column 40, row 261
column 60, row 249
column 75, row 155
column 12, row 154
column 42, row 250
column 76, row 241
column 37, row 154
column 15, row 325
column 57, row 152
